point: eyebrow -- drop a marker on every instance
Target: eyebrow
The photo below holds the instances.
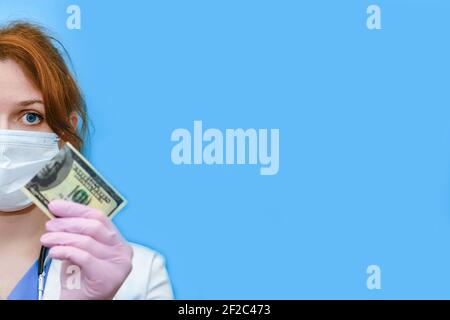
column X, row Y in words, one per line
column 27, row 103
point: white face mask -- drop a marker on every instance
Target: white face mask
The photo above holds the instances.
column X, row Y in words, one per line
column 22, row 155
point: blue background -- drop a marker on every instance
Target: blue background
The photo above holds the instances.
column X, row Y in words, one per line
column 364, row 119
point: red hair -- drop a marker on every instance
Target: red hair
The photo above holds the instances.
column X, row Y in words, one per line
column 35, row 51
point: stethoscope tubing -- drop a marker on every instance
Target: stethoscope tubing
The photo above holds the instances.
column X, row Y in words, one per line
column 41, row 271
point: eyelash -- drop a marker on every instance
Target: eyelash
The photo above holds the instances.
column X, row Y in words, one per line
column 40, row 118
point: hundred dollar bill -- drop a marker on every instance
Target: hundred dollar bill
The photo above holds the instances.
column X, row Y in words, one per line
column 69, row 176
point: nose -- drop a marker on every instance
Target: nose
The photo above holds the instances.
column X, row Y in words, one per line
column 4, row 123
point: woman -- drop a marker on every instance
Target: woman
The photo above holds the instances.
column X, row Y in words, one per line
column 40, row 109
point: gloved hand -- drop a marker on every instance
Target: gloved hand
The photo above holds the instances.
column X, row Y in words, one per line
column 86, row 238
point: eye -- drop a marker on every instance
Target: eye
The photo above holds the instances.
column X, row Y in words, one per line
column 31, row 118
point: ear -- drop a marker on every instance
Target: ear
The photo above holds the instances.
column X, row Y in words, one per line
column 74, row 119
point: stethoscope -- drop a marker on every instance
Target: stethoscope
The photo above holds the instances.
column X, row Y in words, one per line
column 41, row 271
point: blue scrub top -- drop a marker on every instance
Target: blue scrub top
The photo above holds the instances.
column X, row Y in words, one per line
column 27, row 287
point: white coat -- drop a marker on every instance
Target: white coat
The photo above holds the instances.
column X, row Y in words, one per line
column 148, row 279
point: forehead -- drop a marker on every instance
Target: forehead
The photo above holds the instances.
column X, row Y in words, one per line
column 14, row 84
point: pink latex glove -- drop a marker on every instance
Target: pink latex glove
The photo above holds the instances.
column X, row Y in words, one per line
column 86, row 238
